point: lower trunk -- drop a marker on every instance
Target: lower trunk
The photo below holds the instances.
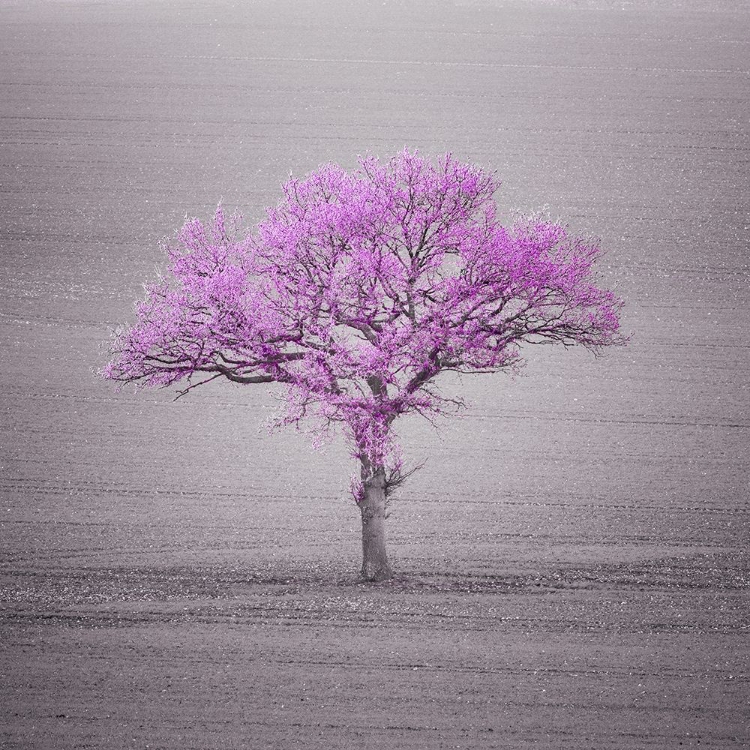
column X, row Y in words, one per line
column 375, row 565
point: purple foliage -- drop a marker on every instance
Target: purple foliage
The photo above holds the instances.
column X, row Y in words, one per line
column 358, row 289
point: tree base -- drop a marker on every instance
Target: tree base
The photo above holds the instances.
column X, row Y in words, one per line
column 377, row 575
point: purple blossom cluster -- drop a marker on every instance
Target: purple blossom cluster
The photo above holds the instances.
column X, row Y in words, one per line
column 360, row 288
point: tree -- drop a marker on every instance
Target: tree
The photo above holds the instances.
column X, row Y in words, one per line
column 355, row 293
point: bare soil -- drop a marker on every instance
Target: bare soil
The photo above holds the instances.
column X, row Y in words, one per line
column 572, row 562
column 210, row 656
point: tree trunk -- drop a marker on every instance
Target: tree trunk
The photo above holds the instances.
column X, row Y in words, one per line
column 375, row 565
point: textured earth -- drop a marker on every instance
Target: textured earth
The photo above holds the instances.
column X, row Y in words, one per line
column 572, row 561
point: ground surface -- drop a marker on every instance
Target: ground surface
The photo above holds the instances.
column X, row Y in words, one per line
column 573, row 565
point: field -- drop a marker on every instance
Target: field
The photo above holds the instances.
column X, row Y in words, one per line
column 572, row 561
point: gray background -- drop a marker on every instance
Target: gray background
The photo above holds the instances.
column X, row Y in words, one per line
column 627, row 119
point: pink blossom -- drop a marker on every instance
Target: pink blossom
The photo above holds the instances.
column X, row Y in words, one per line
column 358, row 290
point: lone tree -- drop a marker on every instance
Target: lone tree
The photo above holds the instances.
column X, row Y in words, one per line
column 355, row 293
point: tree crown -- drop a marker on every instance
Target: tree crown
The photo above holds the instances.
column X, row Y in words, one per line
column 359, row 288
